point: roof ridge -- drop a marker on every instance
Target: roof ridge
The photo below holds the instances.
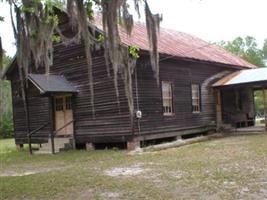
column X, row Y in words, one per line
column 179, row 44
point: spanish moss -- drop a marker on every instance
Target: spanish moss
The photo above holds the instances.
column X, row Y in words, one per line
column 1, row 57
column 38, row 23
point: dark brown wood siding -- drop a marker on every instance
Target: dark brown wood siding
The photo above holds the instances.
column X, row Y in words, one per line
column 112, row 121
column 38, row 109
column 232, row 113
column 181, row 74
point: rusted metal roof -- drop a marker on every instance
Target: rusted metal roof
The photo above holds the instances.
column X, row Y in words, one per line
column 48, row 83
column 243, row 77
column 180, row 45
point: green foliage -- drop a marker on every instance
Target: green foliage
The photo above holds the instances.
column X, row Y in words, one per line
column 34, row 33
column 259, row 103
column 56, row 39
column 27, row 10
column 6, row 60
column 58, row 4
column 134, row 52
column 265, row 49
column 6, row 121
column 100, row 38
column 52, row 19
column 7, row 128
column 89, row 9
column 50, row 4
column 246, row 48
column 2, row 19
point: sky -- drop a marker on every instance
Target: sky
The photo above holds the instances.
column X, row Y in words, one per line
column 211, row 20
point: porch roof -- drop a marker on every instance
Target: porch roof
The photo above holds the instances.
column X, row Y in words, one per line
column 48, row 83
column 250, row 76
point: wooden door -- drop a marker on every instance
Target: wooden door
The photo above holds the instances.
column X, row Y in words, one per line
column 63, row 115
column 68, row 115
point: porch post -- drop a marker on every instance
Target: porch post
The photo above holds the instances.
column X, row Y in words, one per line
column 218, row 108
column 27, row 116
column 51, row 113
column 265, row 106
column 73, row 104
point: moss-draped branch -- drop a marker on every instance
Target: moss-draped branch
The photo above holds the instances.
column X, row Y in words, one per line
column 37, row 24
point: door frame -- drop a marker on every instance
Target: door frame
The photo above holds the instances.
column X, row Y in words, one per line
column 63, row 96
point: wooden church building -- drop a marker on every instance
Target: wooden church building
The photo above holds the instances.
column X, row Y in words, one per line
column 197, row 93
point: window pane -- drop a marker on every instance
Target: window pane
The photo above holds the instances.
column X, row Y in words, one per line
column 167, row 98
column 166, row 102
column 68, row 103
column 195, row 98
column 59, row 104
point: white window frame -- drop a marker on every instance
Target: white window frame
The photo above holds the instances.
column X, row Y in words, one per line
column 196, row 97
column 167, row 110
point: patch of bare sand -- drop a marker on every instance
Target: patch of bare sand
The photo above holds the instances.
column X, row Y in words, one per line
column 28, row 172
column 111, row 195
column 126, row 171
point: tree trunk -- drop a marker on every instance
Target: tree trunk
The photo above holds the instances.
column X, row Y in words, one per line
column 265, row 106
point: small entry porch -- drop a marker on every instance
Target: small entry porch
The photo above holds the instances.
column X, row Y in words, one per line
column 235, row 101
column 61, row 95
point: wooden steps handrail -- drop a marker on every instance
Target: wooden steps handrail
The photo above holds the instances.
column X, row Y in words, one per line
column 64, row 126
column 33, row 132
column 38, row 129
column 55, row 132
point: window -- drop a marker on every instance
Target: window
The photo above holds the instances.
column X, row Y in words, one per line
column 63, row 103
column 167, row 98
column 195, row 98
column 68, row 103
column 59, row 104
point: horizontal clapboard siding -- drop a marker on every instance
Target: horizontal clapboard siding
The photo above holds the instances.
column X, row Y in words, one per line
column 38, row 115
column 112, row 121
column 181, row 74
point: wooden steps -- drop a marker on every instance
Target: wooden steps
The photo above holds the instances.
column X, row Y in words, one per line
column 61, row 144
column 252, row 129
column 226, row 128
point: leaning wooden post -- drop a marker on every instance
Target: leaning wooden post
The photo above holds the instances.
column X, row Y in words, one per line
column 51, row 116
column 30, row 143
column 74, row 122
column 218, row 108
column 27, row 116
column 265, row 106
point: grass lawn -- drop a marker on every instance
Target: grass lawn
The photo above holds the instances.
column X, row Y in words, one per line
column 227, row 168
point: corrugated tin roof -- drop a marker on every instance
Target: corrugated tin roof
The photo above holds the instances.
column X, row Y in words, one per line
column 181, row 45
column 48, row 83
column 243, row 77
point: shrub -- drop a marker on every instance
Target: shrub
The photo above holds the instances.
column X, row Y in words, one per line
column 6, row 128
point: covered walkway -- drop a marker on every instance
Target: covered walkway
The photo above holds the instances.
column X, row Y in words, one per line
column 235, row 98
column 252, row 129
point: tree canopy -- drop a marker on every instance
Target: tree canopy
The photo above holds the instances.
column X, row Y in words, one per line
column 37, row 29
column 6, row 125
column 247, row 48
column 265, row 50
